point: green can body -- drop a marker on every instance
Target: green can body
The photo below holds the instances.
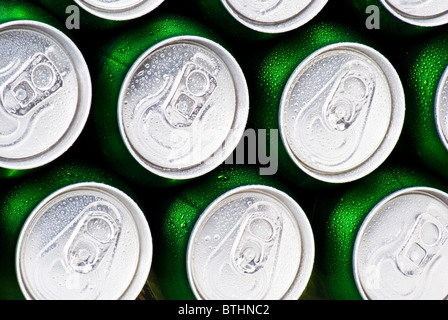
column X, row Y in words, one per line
column 339, row 218
column 422, row 68
column 179, row 215
column 269, row 77
column 20, row 197
column 114, row 64
column 24, row 10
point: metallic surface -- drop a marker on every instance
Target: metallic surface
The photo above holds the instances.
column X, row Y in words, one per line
column 274, row 16
column 253, row 242
column 45, row 94
column 183, row 107
column 119, row 9
column 441, row 109
column 342, row 112
column 400, row 251
column 85, row 241
column 426, row 13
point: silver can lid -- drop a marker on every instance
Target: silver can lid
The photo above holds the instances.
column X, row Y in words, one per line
column 87, row 241
column 342, row 112
column 401, row 250
column 253, row 242
column 441, row 109
column 183, row 107
column 45, row 94
column 274, row 16
column 119, row 10
column 424, row 13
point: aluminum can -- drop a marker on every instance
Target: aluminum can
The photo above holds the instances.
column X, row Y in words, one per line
column 171, row 102
column 385, row 19
column 426, row 129
column 258, row 20
column 100, row 14
column 420, row 13
column 73, row 232
column 337, row 102
column 234, row 235
column 119, row 10
column 375, row 232
column 45, row 91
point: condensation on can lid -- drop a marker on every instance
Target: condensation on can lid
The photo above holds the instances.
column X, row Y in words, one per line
column 87, row 241
column 274, row 16
column 119, row 10
column 342, row 112
column 45, row 94
column 183, row 107
column 253, row 242
column 424, row 13
column 441, row 109
column 401, row 251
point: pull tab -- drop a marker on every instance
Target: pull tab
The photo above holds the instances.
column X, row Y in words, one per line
column 35, row 82
column 190, row 94
column 259, row 232
column 96, row 233
column 426, row 239
column 329, row 128
column 352, row 91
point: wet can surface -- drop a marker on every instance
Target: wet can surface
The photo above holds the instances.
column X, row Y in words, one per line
column 428, row 13
column 400, row 250
column 383, row 237
column 425, row 69
column 86, row 241
column 182, row 104
column 337, row 102
column 253, row 242
column 274, row 16
column 183, row 107
column 383, row 21
column 342, row 112
column 98, row 15
column 46, row 94
column 234, row 235
column 94, row 205
column 255, row 21
column 119, row 9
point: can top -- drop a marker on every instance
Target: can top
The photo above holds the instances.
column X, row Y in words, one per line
column 425, row 13
column 253, row 242
column 401, row 251
column 274, row 16
column 183, row 107
column 45, row 94
column 119, row 10
column 86, row 241
column 342, row 112
column 441, row 109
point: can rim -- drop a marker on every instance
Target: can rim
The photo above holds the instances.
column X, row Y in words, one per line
column 239, row 120
column 122, row 14
column 146, row 245
column 83, row 104
column 304, row 227
column 431, row 21
column 438, row 115
column 295, row 22
column 436, row 193
column 396, row 122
